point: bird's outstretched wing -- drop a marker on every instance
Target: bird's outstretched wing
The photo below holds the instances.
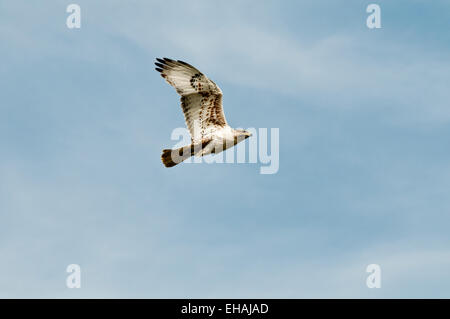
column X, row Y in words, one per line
column 201, row 98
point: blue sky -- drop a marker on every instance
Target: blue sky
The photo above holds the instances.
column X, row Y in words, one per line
column 364, row 132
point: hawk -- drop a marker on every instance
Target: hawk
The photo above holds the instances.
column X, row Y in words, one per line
column 201, row 102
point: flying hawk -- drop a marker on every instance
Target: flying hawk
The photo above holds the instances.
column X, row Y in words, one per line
column 201, row 102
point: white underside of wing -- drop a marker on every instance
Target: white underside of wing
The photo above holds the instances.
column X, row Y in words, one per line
column 200, row 116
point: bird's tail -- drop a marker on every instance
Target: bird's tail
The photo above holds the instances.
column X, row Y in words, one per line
column 170, row 158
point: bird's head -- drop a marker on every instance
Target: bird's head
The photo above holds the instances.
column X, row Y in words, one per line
column 243, row 134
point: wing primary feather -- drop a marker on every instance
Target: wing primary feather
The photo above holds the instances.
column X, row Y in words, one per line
column 182, row 62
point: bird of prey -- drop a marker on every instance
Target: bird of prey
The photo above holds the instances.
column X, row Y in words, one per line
column 201, row 102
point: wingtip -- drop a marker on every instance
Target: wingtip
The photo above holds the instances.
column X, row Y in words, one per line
column 166, row 60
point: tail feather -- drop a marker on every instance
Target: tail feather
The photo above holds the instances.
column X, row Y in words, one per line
column 179, row 156
column 170, row 158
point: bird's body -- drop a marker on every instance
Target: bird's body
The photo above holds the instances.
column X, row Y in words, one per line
column 201, row 102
